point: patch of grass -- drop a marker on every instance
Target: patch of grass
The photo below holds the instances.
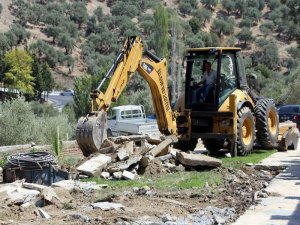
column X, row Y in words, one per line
column 255, row 157
column 187, row 180
column 3, row 159
column 175, row 181
column 70, row 160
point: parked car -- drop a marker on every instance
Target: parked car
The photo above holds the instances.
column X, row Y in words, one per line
column 289, row 112
column 68, row 92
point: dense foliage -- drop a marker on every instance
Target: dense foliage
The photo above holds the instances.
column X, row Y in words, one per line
column 56, row 37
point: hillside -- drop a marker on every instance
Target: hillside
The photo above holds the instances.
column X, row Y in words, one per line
column 82, row 37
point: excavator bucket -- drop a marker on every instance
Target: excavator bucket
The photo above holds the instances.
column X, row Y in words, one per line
column 91, row 131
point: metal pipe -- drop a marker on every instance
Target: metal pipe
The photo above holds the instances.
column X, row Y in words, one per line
column 111, row 69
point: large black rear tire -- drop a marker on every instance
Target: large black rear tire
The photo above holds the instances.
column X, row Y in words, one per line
column 245, row 131
column 267, row 124
column 213, row 146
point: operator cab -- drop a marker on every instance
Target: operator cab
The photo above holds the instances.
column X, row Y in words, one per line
column 224, row 66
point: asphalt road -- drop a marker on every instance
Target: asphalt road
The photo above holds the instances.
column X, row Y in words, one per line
column 282, row 207
column 58, row 100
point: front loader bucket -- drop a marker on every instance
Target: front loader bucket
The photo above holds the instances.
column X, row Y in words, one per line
column 91, row 131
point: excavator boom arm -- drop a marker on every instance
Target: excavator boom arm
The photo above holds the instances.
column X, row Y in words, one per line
column 131, row 59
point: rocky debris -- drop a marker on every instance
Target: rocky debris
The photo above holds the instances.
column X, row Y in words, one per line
column 95, row 165
column 139, row 154
column 75, row 185
column 80, row 217
column 213, row 215
column 198, row 160
column 105, row 206
column 145, row 190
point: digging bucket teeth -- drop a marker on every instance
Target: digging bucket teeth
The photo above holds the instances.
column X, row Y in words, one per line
column 91, row 131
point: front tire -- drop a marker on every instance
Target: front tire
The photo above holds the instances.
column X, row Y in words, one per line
column 267, row 124
column 245, row 131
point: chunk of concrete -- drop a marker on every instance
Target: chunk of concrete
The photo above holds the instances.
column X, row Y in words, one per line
column 63, row 195
column 123, row 165
column 128, row 175
column 125, row 151
column 33, row 186
column 105, row 206
column 95, row 165
column 117, row 175
column 43, row 214
column 50, row 196
column 105, row 175
column 145, row 160
column 72, row 185
column 197, row 160
column 17, row 195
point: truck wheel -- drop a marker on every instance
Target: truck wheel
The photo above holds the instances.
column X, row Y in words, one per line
column 245, row 131
column 213, row 146
column 186, row 145
column 267, row 125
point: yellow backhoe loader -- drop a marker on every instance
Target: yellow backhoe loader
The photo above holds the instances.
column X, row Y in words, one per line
column 230, row 116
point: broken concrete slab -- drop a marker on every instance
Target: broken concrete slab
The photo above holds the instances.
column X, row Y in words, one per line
column 95, row 165
column 165, row 157
column 163, row 145
column 105, row 175
column 121, row 139
column 72, row 185
column 43, row 214
column 123, row 165
column 105, row 206
column 145, row 160
column 197, row 160
column 128, row 175
column 13, row 193
column 33, row 186
column 117, row 175
column 125, row 150
column 155, row 139
column 63, row 194
column 50, row 196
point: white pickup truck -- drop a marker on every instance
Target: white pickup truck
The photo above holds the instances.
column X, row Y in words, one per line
column 130, row 119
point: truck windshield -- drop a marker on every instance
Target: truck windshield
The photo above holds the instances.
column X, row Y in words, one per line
column 129, row 114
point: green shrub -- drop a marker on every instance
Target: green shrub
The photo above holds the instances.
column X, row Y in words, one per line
column 20, row 125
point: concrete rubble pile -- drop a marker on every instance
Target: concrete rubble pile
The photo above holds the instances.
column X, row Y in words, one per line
column 127, row 157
